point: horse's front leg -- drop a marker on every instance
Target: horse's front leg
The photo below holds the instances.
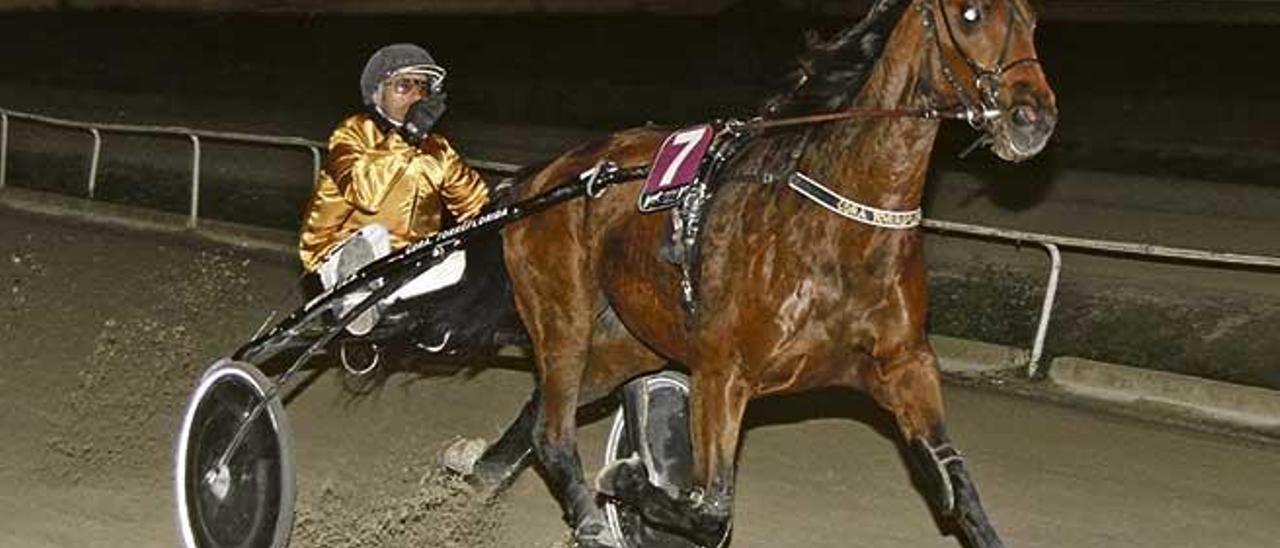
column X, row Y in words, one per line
column 705, row 512
column 957, row 494
column 909, row 387
column 555, row 444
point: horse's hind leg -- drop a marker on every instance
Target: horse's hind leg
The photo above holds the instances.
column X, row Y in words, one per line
column 909, row 387
column 555, row 444
column 556, row 294
column 561, row 346
column 503, row 460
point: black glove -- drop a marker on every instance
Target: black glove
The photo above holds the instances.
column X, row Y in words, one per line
column 421, row 117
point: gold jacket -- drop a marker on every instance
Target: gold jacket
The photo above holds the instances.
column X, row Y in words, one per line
column 372, row 176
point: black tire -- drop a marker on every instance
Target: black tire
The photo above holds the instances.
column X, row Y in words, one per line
column 668, row 437
column 249, row 502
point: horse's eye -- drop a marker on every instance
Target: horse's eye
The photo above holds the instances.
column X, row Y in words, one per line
column 972, row 14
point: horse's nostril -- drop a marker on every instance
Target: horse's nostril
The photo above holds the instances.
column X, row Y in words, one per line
column 1024, row 115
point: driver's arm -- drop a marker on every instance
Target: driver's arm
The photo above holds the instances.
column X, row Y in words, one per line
column 365, row 163
column 461, row 188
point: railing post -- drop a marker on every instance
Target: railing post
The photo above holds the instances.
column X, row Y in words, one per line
column 4, row 144
column 194, row 218
column 1046, row 308
column 315, row 164
column 93, row 162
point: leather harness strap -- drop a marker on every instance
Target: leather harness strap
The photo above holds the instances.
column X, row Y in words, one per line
column 849, row 209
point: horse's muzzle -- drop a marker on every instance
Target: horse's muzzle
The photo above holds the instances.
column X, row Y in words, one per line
column 1023, row 130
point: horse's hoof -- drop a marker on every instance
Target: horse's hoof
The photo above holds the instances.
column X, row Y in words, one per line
column 977, row 535
column 460, row 457
column 593, row 532
column 623, row 479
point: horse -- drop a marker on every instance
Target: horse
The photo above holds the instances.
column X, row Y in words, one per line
column 790, row 296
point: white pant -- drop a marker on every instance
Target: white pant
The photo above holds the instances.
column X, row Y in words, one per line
column 367, row 245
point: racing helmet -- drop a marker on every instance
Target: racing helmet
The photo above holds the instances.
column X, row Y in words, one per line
column 396, row 60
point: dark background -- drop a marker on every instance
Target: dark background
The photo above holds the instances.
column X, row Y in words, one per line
column 1202, row 90
column 1188, row 109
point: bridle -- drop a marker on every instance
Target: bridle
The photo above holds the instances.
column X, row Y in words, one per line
column 978, row 113
column 986, row 80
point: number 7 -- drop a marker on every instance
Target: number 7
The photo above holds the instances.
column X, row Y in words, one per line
column 685, row 140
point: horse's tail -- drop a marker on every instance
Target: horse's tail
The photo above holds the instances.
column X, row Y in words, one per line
column 477, row 315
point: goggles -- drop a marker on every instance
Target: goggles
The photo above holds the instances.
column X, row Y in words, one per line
column 404, row 85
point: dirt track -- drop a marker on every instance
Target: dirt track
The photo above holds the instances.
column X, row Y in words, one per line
column 103, row 332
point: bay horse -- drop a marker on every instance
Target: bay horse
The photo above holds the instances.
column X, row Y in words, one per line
column 790, row 296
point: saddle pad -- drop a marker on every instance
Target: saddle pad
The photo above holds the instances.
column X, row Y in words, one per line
column 675, row 166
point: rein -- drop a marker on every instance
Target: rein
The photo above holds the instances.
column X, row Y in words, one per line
column 928, row 114
column 960, row 113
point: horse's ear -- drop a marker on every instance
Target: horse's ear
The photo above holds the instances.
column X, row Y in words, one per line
column 812, row 39
column 804, row 70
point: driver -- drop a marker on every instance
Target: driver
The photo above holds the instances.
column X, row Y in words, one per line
column 388, row 176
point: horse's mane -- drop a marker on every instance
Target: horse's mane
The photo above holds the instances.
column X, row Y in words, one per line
column 832, row 72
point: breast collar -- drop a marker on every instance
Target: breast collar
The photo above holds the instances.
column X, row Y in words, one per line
column 849, row 209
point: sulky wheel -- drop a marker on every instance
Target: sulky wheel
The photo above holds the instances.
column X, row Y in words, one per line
column 654, row 423
column 245, row 498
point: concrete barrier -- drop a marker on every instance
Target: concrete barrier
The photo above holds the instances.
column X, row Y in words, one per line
column 149, row 220
column 1246, row 406
column 966, row 357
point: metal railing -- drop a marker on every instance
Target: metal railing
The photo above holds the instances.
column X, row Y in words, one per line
column 1052, row 243
column 1049, row 242
column 194, row 135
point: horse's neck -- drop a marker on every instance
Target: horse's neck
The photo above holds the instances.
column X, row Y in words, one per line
column 880, row 162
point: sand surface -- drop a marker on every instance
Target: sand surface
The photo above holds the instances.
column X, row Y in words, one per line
column 103, row 333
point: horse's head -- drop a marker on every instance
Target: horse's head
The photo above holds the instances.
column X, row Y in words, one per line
column 983, row 57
